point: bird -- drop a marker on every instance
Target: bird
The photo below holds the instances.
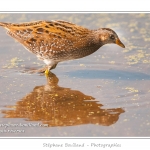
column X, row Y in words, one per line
column 58, row 40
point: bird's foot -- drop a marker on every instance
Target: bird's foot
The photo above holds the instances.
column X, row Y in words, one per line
column 47, row 72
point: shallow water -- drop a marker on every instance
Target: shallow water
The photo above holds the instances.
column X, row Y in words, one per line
column 104, row 94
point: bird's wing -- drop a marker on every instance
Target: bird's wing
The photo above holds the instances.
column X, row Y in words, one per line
column 43, row 36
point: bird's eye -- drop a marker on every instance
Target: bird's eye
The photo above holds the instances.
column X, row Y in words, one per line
column 112, row 37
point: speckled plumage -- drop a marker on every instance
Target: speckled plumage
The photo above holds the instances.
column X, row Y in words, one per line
column 56, row 41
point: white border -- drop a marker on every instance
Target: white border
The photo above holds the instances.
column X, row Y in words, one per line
column 60, row 143
column 74, row 5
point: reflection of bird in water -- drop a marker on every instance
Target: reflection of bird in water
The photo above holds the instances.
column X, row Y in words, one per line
column 59, row 106
column 57, row 41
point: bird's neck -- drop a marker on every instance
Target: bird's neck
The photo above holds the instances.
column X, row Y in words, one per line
column 98, row 39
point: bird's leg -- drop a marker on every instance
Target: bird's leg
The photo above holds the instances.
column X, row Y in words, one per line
column 41, row 70
column 50, row 68
column 53, row 67
column 32, row 70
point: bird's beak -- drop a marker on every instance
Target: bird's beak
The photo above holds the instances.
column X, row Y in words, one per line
column 118, row 42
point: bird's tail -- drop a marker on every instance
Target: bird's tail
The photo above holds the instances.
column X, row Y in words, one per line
column 3, row 24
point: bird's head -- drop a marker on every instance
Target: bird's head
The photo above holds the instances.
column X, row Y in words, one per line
column 109, row 36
